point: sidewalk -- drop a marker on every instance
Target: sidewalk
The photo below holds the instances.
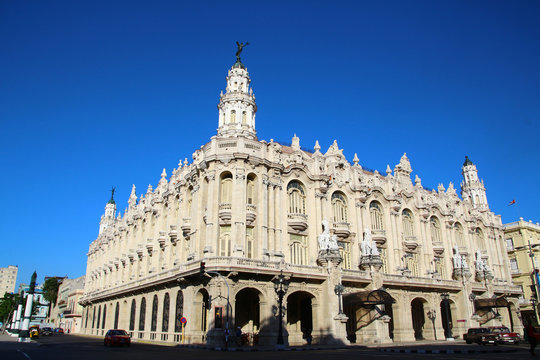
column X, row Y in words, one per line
column 8, row 338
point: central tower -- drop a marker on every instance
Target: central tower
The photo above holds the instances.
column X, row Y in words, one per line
column 237, row 106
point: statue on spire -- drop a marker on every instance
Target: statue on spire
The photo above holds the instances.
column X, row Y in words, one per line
column 111, row 201
column 240, row 48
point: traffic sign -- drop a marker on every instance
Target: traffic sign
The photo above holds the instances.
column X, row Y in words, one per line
column 183, row 320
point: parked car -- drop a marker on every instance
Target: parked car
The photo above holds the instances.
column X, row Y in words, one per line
column 481, row 336
column 505, row 335
column 59, row 330
column 46, row 331
column 117, row 337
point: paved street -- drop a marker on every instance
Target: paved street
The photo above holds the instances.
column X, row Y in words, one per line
column 78, row 347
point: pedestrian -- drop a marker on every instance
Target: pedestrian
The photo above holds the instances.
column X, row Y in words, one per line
column 531, row 335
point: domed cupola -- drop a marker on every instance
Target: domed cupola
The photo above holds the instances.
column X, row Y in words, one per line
column 237, row 106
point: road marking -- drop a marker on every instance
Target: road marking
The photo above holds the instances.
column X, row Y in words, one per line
column 25, row 354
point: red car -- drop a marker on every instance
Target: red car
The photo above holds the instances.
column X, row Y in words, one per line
column 505, row 335
column 117, row 337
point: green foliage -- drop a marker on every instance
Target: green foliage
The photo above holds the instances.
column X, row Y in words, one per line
column 7, row 305
column 50, row 289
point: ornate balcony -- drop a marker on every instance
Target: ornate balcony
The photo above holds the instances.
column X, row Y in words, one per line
column 410, row 242
column 162, row 239
column 379, row 236
column 341, row 229
column 173, row 234
column 225, row 213
column 251, row 213
column 438, row 248
column 186, row 227
column 297, row 222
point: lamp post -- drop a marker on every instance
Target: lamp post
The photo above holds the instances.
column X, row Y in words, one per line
column 432, row 314
column 338, row 290
column 281, row 285
column 446, row 304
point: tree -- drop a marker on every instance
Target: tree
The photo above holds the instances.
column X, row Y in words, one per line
column 50, row 289
column 8, row 304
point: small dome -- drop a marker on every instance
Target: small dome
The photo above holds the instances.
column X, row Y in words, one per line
column 467, row 161
column 238, row 64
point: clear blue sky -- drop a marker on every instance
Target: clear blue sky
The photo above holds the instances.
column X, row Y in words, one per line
column 95, row 94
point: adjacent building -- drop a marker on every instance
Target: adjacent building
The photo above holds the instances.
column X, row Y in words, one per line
column 67, row 312
column 523, row 246
column 8, row 279
column 359, row 256
column 39, row 304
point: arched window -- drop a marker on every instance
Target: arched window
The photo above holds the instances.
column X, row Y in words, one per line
column 244, row 118
column 435, row 228
column 408, row 223
column 460, row 238
column 233, row 116
column 179, row 311
column 339, row 207
column 165, row 319
column 250, row 190
column 298, row 249
column 116, row 315
column 345, row 252
column 104, row 316
column 375, row 211
column 132, row 315
column 224, row 241
column 479, row 239
column 153, row 324
column 142, row 314
column 226, row 189
column 297, row 198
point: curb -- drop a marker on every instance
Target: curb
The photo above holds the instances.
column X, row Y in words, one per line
column 254, row 349
column 445, row 351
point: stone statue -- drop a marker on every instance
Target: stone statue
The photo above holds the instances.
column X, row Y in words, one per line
column 368, row 246
column 457, row 260
column 327, row 241
column 479, row 264
column 240, row 48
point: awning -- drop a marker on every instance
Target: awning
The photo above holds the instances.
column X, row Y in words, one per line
column 491, row 303
column 363, row 298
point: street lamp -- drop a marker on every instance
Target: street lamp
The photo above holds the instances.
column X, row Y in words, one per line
column 338, row 290
column 281, row 285
column 446, row 304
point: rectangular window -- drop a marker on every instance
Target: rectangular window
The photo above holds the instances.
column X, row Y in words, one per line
column 298, row 249
column 509, row 244
column 514, row 265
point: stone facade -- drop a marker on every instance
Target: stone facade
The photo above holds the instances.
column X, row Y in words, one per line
column 518, row 236
column 210, row 239
column 67, row 311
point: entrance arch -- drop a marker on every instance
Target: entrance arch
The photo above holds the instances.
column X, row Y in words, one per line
column 299, row 316
column 418, row 317
column 202, row 308
column 247, row 310
column 448, row 313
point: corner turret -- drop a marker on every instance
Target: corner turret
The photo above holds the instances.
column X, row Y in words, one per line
column 107, row 219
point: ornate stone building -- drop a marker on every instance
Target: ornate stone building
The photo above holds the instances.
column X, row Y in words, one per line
column 365, row 257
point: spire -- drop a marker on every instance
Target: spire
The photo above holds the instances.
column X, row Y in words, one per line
column 237, row 106
column 467, row 161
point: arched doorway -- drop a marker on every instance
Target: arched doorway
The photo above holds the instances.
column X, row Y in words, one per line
column 299, row 316
column 247, row 312
column 448, row 311
column 418, row 318
column 202, row 308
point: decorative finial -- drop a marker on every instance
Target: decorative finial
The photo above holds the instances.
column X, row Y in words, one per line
column 388, row 170
column 317, row 147
column 163, row 174
column 355, row 159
